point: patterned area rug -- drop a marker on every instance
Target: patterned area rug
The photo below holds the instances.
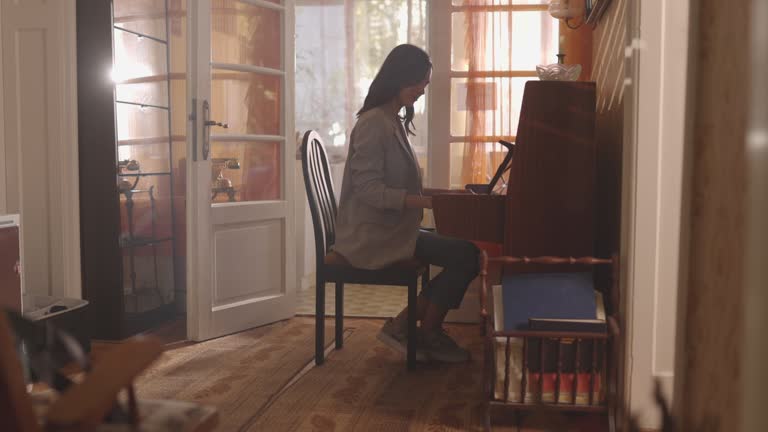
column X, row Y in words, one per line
column 365, row 387
column 362, row 301
column 264, row 380
column 238, row 374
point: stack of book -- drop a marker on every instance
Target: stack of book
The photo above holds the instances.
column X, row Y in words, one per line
column 557, row 303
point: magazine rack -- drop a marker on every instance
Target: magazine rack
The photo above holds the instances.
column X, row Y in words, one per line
column 559, row 370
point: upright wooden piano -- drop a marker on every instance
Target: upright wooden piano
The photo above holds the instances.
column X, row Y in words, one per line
column 549, row 204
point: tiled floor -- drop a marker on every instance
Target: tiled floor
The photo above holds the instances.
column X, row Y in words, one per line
column 359, row 301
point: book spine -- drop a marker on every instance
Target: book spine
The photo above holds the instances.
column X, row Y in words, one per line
column 537, row 391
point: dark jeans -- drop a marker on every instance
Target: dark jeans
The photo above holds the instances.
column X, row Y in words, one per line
column 459, row 260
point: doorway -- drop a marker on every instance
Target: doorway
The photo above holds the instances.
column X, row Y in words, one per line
column 197, row 231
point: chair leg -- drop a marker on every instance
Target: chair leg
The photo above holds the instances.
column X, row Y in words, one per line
column 412, row 311
column 339, row 315
column 487, row 417
column 319, row 320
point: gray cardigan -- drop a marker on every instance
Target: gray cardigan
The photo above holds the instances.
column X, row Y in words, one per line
column 373, row 229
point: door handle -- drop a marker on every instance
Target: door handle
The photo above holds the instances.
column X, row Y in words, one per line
column 193, row 119
column 207, row 123
column 215, row 123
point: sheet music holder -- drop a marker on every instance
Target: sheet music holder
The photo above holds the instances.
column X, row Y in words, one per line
column 504, row 166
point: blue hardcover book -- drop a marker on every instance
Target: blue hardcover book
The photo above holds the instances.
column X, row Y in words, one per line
column 547, row 295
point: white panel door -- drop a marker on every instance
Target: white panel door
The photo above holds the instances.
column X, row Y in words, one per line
column 240, row 208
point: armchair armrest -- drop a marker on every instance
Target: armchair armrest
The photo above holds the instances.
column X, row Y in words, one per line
column 83, row 406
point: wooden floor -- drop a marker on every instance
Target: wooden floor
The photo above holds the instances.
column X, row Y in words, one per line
column 365, row 387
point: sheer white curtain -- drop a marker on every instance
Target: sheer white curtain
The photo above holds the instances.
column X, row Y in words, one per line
column 340, row 45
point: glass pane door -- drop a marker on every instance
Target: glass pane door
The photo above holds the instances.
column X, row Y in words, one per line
column 247, row 94
column 242, row 265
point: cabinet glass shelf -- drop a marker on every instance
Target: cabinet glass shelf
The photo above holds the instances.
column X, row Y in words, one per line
column 141, row 35
column 146, row 174
column 142, row 105
column 139, row 242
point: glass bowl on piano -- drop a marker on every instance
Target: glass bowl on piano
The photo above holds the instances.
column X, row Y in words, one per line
column 559, row 71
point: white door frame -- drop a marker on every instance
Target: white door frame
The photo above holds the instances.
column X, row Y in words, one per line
column 754, row 416
column 439, row 94
column 3, row 156
column 70, row 179
column 654, row 197
column 198, row 214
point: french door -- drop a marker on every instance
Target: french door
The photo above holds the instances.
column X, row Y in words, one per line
column 240, row 169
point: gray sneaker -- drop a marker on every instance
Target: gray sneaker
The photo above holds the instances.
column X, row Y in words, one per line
column 440, row 347
column 395, row 336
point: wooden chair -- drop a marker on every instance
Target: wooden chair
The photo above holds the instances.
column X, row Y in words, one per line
column 332, row 267
column 84, row 405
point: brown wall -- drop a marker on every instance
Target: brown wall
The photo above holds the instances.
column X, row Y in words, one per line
column 709, row 398
column 608, row 72
column 578, row 48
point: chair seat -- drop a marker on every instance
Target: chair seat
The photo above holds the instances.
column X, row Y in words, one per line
column 337, row 268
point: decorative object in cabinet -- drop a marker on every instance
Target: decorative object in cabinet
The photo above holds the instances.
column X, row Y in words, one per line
column 221, row 184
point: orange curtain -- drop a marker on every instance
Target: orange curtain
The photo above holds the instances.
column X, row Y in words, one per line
column 475, row 42
column 261, row 167
column 488, row 48
column 491, row 100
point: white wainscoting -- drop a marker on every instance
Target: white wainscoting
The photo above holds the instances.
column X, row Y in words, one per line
column 38, row 149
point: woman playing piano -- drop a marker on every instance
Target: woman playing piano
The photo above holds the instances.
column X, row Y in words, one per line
column 382, row 201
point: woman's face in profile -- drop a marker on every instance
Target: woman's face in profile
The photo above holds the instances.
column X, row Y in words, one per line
column 409, row 95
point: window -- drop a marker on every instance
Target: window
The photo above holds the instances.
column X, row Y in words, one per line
column 490, row 48
column 340, row 45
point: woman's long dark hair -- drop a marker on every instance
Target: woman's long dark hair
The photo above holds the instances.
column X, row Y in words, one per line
column 406, row 65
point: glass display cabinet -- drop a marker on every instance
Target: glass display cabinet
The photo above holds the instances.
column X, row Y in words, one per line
column 144, row 153
column 131, row 196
